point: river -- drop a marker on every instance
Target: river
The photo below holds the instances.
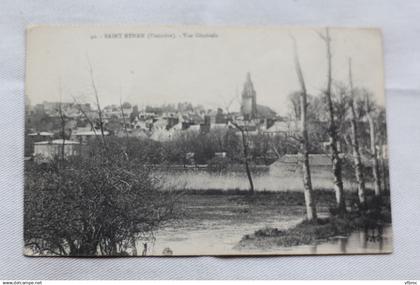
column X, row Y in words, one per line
column 263, row 180
column 216, row 223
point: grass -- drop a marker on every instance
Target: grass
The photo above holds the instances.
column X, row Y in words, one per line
column 373, row 215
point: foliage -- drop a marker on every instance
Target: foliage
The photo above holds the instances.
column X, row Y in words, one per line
column 95, row 205
column 219, row 163
column 316, row 109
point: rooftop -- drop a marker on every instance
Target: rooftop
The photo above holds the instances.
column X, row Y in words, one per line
column 45, row 134
column 56, row 142
column 314, row 159
column 90, row 133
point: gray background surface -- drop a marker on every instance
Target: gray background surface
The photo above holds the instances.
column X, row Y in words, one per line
column 401, row 27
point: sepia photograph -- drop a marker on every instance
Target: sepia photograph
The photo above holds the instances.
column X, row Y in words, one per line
column 201, row 140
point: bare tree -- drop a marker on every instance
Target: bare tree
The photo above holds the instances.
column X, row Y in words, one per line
column 245, row 145
column 63, row 129
column 245, row 148
column 125, row 129
column 373, row 151
column 124, row 121
column 383, row 169
column 358, row 167
column 98, row 105
column 294, row 99
column 381, row 140
column 307, row 182
column 332, row 130
column 84, row 114
column 62, row 121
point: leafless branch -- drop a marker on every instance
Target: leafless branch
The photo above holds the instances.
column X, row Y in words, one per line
column 79, row 107
column 298, row 66
column 98, row 105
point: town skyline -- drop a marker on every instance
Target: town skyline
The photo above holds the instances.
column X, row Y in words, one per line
column 180, row 106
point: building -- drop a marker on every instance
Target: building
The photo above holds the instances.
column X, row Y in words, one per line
column 47, row 150
column 41, row 136
column 35, row 137
column 165, row 129
column 249, row 99
column 83, row 135
column 220, row 118
column 282, row 128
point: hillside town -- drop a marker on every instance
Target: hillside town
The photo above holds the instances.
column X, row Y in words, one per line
column 80, row 122
column 56, row 127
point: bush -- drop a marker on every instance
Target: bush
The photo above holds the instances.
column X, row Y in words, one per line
column 98, row 204
column 218, row 163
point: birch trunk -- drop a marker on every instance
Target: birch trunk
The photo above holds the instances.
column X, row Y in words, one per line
column 307, row 182
column 374, row 155
column 335, row 157
column 358, row 167
column 383, row 171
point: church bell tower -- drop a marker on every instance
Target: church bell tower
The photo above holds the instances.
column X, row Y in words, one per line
column 249, row 99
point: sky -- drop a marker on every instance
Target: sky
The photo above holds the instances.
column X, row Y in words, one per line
column 154, row 65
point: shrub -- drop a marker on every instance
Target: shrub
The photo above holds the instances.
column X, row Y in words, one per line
column 97, row 204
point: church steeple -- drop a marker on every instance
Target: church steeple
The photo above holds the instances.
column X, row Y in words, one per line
column 249, row 99
column 248, row 77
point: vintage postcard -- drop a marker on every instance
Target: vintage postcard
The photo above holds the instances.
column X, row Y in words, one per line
column 194, row 140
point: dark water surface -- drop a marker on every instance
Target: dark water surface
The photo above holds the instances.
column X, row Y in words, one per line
column 216, row 223
column 263, row 180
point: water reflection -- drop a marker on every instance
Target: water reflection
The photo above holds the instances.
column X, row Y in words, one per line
column 222, row 241
column 365, row 241
column 263, row 180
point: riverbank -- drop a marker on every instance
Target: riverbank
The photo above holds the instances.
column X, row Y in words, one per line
column 370, row 219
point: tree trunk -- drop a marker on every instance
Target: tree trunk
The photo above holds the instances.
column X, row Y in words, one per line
column 307, row 182
column 63, row 132
column 63, row 122
column 358, row 167
column 383, row 171
column 133, row 245
column 246, row 162
column 87, row 248
column 248, row 171
column 335, row 157
column 98, row 105
column 374, row 155
column 124, row 122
